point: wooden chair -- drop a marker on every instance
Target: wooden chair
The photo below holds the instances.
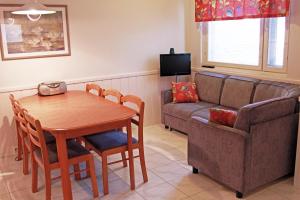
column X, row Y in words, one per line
column 113, row 93
column 117, row 99
column 45, row 155
column 114, row 142
column 22, row 136
column 90, row 87
column 13, row 101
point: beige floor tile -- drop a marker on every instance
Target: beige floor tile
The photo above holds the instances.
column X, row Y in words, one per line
column 3, row 187
column 171, row 171
column 153, row 181
column 193, row 184
column 214, row 194
column 18, row 181
column 5, row 196
column 162, row 192
column 286, row 187
column 155, row 161
column 125, row 196
column 266, row 194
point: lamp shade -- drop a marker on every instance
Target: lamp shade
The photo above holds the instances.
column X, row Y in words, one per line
column 34, row 8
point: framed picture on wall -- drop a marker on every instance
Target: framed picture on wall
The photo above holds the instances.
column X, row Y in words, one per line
column 24, row 38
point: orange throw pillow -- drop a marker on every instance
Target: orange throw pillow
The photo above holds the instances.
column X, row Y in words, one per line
column 222, row 116
column 184, row 92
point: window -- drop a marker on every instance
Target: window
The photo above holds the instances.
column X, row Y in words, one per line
column 258, row 44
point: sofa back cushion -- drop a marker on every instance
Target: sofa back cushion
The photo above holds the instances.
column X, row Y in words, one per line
column 238, row 91
column 268, row 90
column 209, row 86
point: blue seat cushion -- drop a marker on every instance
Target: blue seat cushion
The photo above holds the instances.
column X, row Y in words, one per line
column 49, row 138
column 74, row 150
column 109, row 140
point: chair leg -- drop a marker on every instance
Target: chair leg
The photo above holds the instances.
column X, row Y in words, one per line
column 77, row 171
column 143, row 163
column 20, row 148
column 25, row 160
column 48, row 184
column 34, row 182
column 124, row 159
column 105, row 174
column 87, row 166
column 92, row 173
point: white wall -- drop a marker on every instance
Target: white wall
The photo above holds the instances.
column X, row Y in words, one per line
column 107, row 37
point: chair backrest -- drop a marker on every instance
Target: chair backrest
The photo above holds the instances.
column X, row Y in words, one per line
column 13, row 101
column 36, row 135
column 16, row 107
column 113, row 93
column 91, row 86
column 20, row 120
column 139, row 109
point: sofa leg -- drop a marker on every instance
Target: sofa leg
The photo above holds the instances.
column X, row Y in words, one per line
column 239, row 195
column 195, row 170
column 166, row 127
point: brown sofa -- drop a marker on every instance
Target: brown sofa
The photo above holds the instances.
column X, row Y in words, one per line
column 259, row 149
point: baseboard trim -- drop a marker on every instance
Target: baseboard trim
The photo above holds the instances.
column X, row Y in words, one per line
column 83, row 80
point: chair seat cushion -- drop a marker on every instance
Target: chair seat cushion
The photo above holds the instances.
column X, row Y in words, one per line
column 74, row 150
column 49, row 138
column 109, row 140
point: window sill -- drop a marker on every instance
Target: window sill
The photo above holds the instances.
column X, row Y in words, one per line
column 272, row 76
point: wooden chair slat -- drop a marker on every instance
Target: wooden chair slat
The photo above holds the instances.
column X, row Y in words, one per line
column 114, row 93
column 91, row 86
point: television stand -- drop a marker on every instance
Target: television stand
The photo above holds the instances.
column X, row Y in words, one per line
column 176, row 78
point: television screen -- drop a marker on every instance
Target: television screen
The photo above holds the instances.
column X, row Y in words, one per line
column 175, row 64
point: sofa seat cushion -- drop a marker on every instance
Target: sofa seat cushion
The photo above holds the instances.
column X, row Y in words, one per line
column 204, row 113
column 185, row 110
column 209, row 86
column 237, row 91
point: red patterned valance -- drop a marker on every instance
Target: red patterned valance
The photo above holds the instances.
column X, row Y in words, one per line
column 212, row 10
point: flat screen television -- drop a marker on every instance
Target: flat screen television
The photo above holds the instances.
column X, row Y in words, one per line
column 175, row 64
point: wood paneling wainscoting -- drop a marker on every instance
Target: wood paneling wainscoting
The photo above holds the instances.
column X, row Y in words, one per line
column 146, row 85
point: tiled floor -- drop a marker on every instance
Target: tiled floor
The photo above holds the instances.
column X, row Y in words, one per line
column 170, row 177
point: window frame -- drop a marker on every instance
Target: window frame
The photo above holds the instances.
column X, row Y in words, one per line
column 269, row 68
column 263, row 49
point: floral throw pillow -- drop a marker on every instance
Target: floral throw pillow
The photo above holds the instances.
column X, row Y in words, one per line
column 222, row 116
column 184, row 92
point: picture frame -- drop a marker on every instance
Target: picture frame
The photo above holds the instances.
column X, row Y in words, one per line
column 21, row 38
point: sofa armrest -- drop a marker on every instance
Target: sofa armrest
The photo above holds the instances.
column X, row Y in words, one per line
column 226, row 129
column 218, row 151
column 166, row 96
column 264, row 111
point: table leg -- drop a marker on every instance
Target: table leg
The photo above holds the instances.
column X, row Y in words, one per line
column 61, row 143
column 130, row 156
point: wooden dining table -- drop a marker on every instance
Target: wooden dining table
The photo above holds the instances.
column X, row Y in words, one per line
column 76, row 114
